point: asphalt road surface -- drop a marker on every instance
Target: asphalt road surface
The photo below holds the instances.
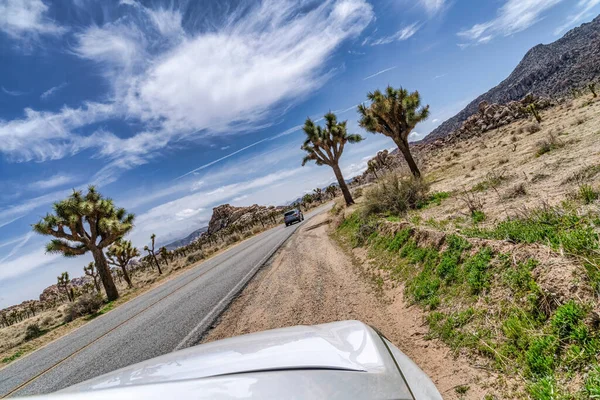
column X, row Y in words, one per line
column 170, row 317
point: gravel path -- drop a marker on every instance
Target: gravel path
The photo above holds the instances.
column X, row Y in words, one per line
column 312, row 281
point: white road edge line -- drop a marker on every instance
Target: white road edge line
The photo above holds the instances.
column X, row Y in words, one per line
column 218, row 309
column 227, row 299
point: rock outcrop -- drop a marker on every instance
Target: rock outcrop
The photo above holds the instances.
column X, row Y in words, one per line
column 225, row 216
column 546, row 70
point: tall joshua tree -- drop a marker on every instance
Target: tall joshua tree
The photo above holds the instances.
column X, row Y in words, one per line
column 326, row 145
column 90, row 270
column 83, row 223
column 394, row 114
column 152, row 254
column 120, row 254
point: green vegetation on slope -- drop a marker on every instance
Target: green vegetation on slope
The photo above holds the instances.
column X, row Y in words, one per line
column 483, row 301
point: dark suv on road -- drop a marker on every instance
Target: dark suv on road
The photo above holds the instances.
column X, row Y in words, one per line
column 292, row 216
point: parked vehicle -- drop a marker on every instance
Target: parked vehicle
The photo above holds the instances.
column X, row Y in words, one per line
column 339, row 360
column 292, row 216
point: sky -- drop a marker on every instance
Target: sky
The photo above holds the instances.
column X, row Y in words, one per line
column 172, row 107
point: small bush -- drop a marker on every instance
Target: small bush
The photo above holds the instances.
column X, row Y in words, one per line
column 195, row 257
column 478, row 216
column 566, row 319
column 547, row 145
column 544, row 389
column 86, row 304
column 592, row 384
column 33, row 331
column 395, row 196
column 540, row 356
column 475, row 269
column 532, row 128
column 516, row 191
column 587, row 194
column 492, row 181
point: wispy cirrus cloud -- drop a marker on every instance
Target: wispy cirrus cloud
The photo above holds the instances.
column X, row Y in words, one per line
column 14, row 93
column 582, row 10
column 513, row 17
column 432, row 6
column 383, row 71
column 53, row 182
column 160, row 75
column 403, row 34
column 23, row 19
column 52, row 91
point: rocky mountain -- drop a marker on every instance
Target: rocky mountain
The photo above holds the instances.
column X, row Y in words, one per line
column 226, row 215
column 546, row 70
column 187, row 240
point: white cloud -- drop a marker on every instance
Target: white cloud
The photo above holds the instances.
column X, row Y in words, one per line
column 50, row 92
column 514, row 16
column 383, row 71
column 21, row 19
column 52, row 182
column 14, row 212
column 236, row 74
column 26, row 262
column 13, row 93
column 432, row 6
column 403, row 34
column 583, row 10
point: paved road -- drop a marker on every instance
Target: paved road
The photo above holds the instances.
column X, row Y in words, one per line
column 169, row 317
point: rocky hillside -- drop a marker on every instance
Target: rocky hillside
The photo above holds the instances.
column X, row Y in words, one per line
column 225, row 216
column 546, row 70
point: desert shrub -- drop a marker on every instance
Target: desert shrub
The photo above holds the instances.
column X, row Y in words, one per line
column 587, row 194
column 544, row 389
column 584, row 174
column 592, row 384
column 566, row 319
column 547, row 145
column 47, row 321
column 33, row 331
column 394, row 196
column 85, row 304
column 540, row 356
column 516, row 191
column 532, row 128
column 475, row 269
column 357, row 193
column 492, row 180
column 433, row 199
column 478, row 216
column 195, row 257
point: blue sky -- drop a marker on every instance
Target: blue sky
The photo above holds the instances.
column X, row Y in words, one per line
column 172, row 108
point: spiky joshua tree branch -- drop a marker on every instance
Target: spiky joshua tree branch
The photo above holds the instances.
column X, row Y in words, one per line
column 325, row 146
column 394, row 113
column 83, row 223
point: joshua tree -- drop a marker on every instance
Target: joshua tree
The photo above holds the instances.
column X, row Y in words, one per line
column 372, row 166
column 164, row 253
column 383, row 159
column 120, row 254
column 532, row 109
column 153, row 254
column 86, row 223
column 326, row 145
column 592, row 87
column 331, row 190
column 62, row 283
column 394, row 114
column 318, row 194
column 90, row 270
column 307, row 199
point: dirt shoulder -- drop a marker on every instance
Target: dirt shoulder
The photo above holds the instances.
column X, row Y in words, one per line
column 313, row 281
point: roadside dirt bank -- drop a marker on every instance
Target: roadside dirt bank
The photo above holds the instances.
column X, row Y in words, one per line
column 313, row 281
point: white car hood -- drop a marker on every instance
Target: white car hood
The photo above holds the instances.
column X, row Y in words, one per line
column 336, row 360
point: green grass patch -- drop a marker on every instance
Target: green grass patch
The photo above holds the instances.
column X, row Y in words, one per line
column 434, row 199
column 12, row 358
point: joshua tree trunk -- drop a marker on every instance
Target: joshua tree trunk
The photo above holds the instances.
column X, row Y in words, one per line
column 404, row 149
column 157, row 264
column 96, row 284
column 126, row 276
column 105, row 276
column 342, row 183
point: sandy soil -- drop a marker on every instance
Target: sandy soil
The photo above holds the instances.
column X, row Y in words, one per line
column 313, row 281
